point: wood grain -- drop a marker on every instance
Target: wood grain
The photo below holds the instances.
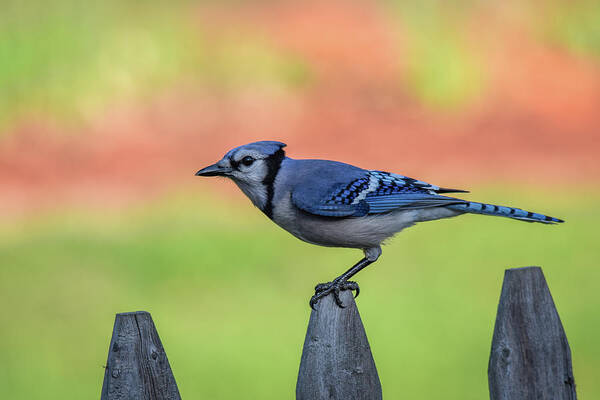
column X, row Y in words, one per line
column 137, row 366
column 336, row 360
column 530, row 357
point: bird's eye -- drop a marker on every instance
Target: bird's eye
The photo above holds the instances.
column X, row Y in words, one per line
column 247, row 161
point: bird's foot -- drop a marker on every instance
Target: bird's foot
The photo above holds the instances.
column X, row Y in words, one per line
column 334, row 287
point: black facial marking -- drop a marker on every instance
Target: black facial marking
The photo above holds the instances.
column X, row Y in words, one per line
column 234, row 164
column 273, row 166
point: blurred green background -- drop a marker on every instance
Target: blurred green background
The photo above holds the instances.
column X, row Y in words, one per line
column 108, row 108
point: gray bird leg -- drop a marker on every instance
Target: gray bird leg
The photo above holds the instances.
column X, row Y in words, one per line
column 341, row 282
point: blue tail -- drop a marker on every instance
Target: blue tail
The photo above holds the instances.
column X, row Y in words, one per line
column 502, row 211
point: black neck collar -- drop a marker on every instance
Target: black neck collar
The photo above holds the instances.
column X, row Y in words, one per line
column 273, row 167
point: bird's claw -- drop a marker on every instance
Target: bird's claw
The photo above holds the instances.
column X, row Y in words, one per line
column 334, row 287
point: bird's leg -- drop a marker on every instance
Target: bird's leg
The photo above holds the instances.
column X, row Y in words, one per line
column 341, row 282
column 338, row 284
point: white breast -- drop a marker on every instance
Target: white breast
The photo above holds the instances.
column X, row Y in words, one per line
column 360, row 232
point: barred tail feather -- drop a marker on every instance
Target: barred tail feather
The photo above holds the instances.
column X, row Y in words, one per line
column 502, row 211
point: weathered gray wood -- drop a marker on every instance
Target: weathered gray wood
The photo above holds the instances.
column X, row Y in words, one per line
column 336, row 360
column 530, row 357
column 137, row 366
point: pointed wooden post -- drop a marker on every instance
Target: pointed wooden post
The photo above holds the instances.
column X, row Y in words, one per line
column 337, row 363
column 530, row 357
column 137, row 366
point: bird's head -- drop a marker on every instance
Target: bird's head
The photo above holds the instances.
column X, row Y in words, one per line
column 250, row 164
column 253, row 167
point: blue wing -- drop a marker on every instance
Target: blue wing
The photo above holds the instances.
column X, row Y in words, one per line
column 393, row 191
column 354, row 192
column 317, row 189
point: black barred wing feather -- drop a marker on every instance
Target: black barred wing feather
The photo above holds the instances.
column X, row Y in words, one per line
column 340, row 201
column 393, row 191
column 373, row 192
column 330, row 189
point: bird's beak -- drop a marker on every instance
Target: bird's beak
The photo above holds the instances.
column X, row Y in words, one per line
column 214, row 170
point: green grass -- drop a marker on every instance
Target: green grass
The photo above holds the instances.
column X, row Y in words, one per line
column 228, row 291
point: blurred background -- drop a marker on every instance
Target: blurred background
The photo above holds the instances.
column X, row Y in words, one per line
column 107, row 109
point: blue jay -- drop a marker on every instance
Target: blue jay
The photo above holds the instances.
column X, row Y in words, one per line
column 330, row 203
